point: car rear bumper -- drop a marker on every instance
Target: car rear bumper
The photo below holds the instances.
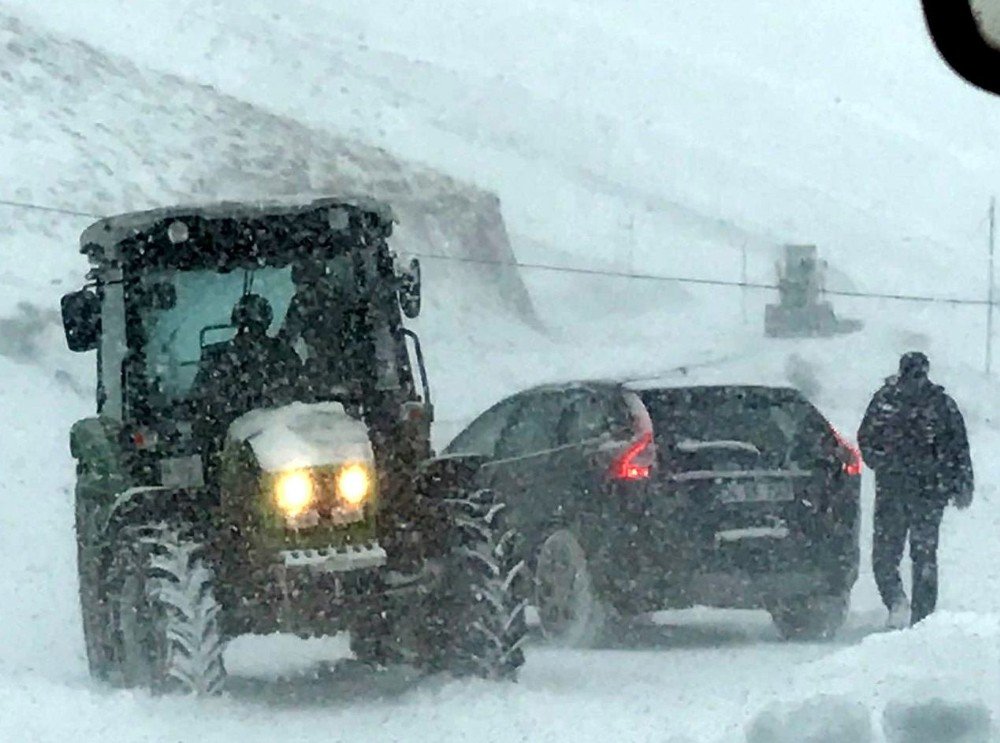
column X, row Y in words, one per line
column 673, row 558
column 746, row 591
column 644, row 582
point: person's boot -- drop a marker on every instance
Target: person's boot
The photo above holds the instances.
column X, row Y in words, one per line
column 899, row 615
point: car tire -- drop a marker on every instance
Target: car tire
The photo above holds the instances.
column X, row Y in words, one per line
column 163, row 613
column 569, row 609
column 817, row 617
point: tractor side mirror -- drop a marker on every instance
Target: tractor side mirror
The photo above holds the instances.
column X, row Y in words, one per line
column 409, row 290
column 81, row 317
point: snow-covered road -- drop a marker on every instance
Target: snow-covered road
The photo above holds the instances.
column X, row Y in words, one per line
column 699, row 675
column 693, row 676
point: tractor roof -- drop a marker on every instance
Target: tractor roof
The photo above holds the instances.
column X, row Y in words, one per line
column 251, row 228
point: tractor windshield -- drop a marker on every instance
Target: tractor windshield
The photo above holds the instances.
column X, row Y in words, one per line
column 316, row 313
column 200, row 317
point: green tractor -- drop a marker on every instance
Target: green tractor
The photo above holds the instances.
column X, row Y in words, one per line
column 260, row 460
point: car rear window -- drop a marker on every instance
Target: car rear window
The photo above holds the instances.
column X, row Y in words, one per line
column 588, row 413
column 781, row 424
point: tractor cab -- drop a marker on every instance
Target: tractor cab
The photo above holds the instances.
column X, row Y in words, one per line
column 200, row 315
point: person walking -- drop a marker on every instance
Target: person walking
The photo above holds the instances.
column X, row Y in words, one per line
column 913, row 436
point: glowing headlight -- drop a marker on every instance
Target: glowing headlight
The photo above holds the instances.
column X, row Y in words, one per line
column 294, row 493
column 354, row 484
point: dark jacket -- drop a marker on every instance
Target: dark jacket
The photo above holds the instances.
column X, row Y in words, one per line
column 247, row 373
column 913, row 436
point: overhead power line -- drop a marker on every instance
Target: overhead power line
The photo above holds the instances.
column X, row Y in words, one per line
column 596, row 271
column 693, row 280
column 51, row 209
column 582, row 271
column 906, row 297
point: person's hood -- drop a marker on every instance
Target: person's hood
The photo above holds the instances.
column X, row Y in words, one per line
column 913, row 386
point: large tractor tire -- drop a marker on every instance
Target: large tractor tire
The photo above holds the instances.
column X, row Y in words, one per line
column 163, row 613
column 475, row 620
column 93, row 611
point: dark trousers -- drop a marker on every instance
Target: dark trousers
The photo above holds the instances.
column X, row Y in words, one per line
column 899, row 512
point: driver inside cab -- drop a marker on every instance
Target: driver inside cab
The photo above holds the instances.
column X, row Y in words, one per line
column 253, row 370
column 323, row 323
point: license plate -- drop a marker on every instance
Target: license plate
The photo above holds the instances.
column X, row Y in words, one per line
column 756, row 492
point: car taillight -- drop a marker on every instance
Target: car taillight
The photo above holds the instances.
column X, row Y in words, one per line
column 853, row 463
column 636, row 461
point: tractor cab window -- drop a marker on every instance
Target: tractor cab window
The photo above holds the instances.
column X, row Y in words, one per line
column 326, row 321
column 318, row 309
column 177, row 333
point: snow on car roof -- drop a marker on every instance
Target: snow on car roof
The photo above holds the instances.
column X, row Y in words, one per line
column 663, row 384
column 593, row 384
column 655, row 383
column 714, row 374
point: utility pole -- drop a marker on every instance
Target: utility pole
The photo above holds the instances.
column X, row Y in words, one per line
column 989, row 296
column 630, row 260
column 743, row 281
column 625, row 245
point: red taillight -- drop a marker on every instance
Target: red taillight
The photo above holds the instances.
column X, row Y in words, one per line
column 853, row 464
column 635, row 462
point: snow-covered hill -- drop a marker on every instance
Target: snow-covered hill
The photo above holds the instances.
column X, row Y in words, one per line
column 692, row 129
column 94, row 134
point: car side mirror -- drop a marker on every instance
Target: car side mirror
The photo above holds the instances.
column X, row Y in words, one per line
column 967, row 35
column 410, row 289
column 81, row 317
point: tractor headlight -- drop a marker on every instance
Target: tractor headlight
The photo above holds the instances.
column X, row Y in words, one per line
column 294, row 493
column 354, row 484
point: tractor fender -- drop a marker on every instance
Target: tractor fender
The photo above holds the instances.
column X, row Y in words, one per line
column 190, row 507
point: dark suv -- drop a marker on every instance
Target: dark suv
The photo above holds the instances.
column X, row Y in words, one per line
column 637, row 498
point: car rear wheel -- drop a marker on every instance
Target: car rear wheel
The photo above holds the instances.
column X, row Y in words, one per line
column 569, row 609
column 810, row 617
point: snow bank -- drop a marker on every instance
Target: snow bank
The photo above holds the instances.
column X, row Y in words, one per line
column 937, row 721
column 824, row 719
column 937, row 682
column 303, row 435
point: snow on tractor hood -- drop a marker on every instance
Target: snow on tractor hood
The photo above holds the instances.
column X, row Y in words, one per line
column 303, row 435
